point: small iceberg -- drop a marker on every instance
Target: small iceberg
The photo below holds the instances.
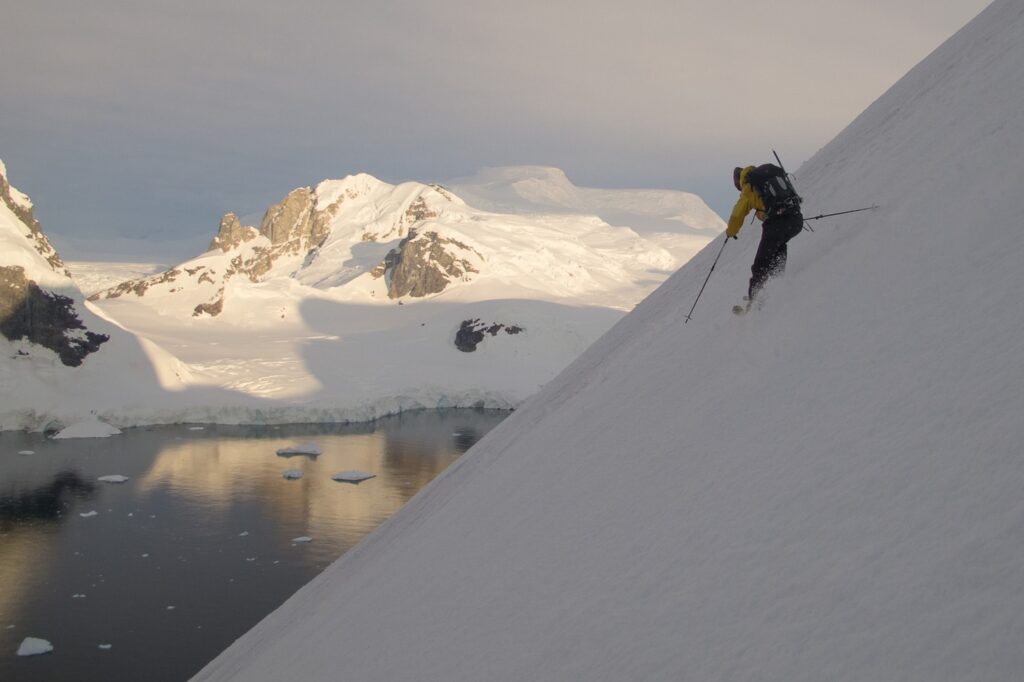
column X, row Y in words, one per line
column 302, row 538
column 89, row 514
column 33, row 646
column 292, row 474
column 352, row 476
column 88, row 428
column 27, row 452
column 106, row 647
column 113, row 478
column 307, row 449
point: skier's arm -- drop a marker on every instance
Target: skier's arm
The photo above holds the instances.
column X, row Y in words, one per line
column 739, row 214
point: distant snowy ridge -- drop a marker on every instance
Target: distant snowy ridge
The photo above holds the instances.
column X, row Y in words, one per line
column 828, row 488
column 369, row 241
column 351, row 300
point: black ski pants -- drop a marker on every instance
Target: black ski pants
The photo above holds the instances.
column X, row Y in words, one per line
column 771, row 252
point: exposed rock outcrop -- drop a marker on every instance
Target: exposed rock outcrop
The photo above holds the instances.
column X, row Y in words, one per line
column 44, row 318
column 231, row 233
column 472, row 332
column 424, row 264
column 138, row 286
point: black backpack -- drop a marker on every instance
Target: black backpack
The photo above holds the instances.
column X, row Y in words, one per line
column 776, row 191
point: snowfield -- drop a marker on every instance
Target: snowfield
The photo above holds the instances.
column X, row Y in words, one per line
column 827, row 488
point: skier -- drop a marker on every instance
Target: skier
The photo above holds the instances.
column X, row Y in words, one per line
column 767, row 191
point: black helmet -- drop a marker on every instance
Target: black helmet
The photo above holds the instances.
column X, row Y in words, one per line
column 736, row 176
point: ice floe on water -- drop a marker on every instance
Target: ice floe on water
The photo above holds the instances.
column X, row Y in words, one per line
column 302, row 538
column 308, row 449
column 33, row 646
column 89, row 514
column 352, row 476
column 27, row 452
column 292, row 474
column 105, row 647
column 88, row 428
column 113, row 478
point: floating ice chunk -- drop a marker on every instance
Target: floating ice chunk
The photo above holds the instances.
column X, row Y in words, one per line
column 196, row 428
column 105, row 647
column 243, row 534
column 27, row 452
column 88, row 428
column 33, row 646
column 89, row 514
column 302, row 538
column 113, row 478
column 308, row 449
column 292, row 474
column 78, row 596
column 352, row 476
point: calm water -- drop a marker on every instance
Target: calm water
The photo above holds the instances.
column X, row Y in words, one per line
column 197, row 546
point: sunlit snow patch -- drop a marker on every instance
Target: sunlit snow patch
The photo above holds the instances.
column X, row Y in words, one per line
column 88, row 428
column 308, row 449
column 33, row 646
column 352, row 476
column 113, row 478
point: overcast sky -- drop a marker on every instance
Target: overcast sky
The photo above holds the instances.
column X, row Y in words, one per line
column 150, row 119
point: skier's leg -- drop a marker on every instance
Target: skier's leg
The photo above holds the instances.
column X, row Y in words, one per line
column 766, row 258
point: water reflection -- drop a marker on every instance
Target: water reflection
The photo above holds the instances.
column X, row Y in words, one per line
column 46, row 502
column 205, row 524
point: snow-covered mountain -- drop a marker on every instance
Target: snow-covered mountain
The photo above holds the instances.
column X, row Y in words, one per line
column 364, row 240
column 826, row 488
column 57, row 355
column 357, row 298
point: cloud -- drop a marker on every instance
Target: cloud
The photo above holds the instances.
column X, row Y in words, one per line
column 223, row 102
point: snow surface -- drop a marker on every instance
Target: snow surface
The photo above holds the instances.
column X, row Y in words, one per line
column 353, row 476
column 311, row 449
column 33, row 646
column 88, row 428
column 825, row 489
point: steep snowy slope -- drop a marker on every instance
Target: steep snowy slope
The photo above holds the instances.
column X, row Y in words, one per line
column 828, row 488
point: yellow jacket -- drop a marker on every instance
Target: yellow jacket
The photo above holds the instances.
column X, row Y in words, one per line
column 748, row 201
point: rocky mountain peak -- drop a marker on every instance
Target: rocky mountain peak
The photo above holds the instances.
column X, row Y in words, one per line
column 231, row 233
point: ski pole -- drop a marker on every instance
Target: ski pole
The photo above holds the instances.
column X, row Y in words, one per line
column 829, row 215
column 689, row 314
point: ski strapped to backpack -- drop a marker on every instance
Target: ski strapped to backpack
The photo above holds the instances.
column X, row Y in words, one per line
column 775, row 189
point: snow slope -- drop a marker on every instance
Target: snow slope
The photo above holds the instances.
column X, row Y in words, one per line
column 828, row 488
